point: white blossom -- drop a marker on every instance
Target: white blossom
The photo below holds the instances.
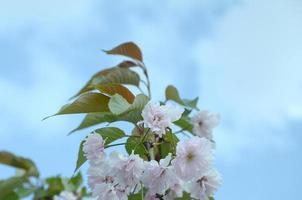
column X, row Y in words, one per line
column 159, row 117
column 175, row 190
column 106, row 191
column 66, row 195
column 203, row 124
column 193, row 157
column 150, row 196
column 205, row 186
column 127, row 169
column 93, row 148
column 100, row 173
column 158, row 177
column 116, row 176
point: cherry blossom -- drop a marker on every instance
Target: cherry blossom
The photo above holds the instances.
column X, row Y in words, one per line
column 159, row 117
column 158, row 177
column 193, row 157
column 93, row 148
column 203, row 124
column 205, row 186
column 127, row 169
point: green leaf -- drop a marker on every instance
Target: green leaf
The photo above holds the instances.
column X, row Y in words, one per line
column 25, row 190
column 139, row 102
column 7, row 186
column 172, row 141
column 127, row 64
column 81, row 158
column 114, row 75
column 92, row 119
column 118, row 76
column 184, row 123
column 11, row 196
column 76, row 180
column 118, row 104
column 110, row 134
column 133, row 114
column 191, row 103
column 186, row 196
column 173, row 94
column 128, row 49
column 112, row 89
column 87, row 87
column 134, row 144
column 19, row 162
column 86, row 103
column 55, row 185
column 168, row 145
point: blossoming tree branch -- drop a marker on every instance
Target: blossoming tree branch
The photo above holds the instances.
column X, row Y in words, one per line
column 158, row 165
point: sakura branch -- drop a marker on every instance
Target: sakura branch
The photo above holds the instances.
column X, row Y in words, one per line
column 155, row 163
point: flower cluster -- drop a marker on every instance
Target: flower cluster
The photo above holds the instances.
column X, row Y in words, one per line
column 189, row 170
column 160, row 163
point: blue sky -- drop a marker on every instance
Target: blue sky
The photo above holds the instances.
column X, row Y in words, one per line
column 243, row 58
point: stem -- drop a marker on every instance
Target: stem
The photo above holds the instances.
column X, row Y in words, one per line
column 142, row 188
column 144, row 137
column 179, row 131
column 142, row 140
column 148, row 83
column 142, row 65
column 131, row 136
column 117, row 144
column 145, row 83
column 134, row 189
column 140, row 89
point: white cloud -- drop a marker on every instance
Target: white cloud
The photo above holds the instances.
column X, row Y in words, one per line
column 16, row 15
column 251, row 68
column 255, row 44
column 28, row 105
column 55, row 22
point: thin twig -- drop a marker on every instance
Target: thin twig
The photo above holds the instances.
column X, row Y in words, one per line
column 117, row 144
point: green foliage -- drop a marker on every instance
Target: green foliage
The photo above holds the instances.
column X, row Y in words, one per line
column 7, row 186
column 86, row 103
column 92, row 119
column 28, row 182
column 169, row 143
column 112, row 89
column 118, row 76
column 110, row 134
column 173, row 94
column 132, row 115
column 28, row 168
column 12, row 160
column 136, row 145
column 106, row 98
column 115, row 75
column 184, row 123
column 118, row 104
column 128, row 49
column 81, row 158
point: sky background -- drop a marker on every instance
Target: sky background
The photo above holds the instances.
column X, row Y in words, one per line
column 243, row 58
